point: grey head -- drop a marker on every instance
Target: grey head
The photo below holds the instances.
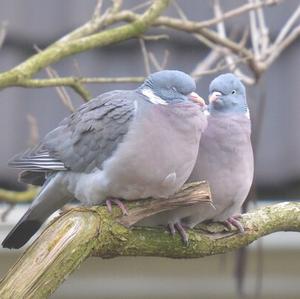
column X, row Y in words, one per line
column 172, row 87
column 227, row 95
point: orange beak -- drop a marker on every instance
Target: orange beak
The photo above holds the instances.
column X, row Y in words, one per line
column 193, row 96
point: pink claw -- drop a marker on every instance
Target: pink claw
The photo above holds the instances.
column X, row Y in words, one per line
column 235, row 222
column 181, row 230
column 119, row 203
column 172, row 229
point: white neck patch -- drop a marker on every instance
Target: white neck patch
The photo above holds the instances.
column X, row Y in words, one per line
column 247, row 113
column 206, row 112
column 154, row 99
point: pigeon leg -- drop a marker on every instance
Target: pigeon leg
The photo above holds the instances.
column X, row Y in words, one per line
column 172, row 229
column 108, row 205
column 182, row 232
column 233, row 220
column 119, row 203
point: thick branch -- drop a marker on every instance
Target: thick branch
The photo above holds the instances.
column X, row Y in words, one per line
column 68, row 244
column 80, row 233
column 190, row 194
column 74, row 82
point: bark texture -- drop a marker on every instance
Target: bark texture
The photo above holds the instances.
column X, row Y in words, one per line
column 82, row 232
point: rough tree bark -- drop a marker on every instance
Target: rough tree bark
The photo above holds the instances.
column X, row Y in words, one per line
column 83, row 232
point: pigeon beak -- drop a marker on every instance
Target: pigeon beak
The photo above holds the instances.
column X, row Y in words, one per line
column 193, row 96
column 214, row 96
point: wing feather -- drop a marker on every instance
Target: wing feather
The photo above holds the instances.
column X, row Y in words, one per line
column 85, row 139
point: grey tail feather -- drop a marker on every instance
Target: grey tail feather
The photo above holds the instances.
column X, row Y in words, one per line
column 52, row 197
column 22, row 232
column 32, row 177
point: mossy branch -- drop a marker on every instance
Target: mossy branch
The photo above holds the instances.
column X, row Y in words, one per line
column 69, row 47
column 84, row 232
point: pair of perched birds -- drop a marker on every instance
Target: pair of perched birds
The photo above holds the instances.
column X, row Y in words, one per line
column 132, row 144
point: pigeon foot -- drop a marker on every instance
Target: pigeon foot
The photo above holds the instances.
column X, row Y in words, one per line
column 234, row 221
column 119, row 203
column 177, row 226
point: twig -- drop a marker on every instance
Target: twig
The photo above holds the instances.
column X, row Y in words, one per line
column 219, row 67
column 97, row 10
column 159, row 66
column 237, row 11
column 199, row 37
column 264, row 30
column 206, row 64
column 287, row 27
column 7, row 211
column 117, row 4
column 139, row 6
column 145, row 56
column 275, row 51
column 165, row 59
column 179, row 10
column 77, row 67
column 156, row 37
column 254, row 33
column 229, row 59
column 93, row 25
column 128, row 14
column 155, row 62
column 2, row 33
column 33, row 130
column 61, row 90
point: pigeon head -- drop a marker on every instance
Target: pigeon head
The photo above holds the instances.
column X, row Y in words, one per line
column 227, row 95
column 170, row 87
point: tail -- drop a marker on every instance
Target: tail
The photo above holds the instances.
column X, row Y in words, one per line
column 52, row 196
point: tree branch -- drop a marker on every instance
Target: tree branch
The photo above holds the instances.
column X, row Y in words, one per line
column 18, row 196
column 69, row 47
column 86, row 37
column 189, row 194
column 84, row 232
column 73, row 81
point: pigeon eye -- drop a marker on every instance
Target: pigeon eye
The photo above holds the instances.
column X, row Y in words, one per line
column 233, row 92
column 174, row 88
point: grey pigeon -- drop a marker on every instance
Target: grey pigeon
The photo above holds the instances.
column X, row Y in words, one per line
column 225, row 159
column 125, row 144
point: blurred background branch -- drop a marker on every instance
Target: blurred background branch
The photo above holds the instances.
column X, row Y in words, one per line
column 258, row 56
column 14, row 197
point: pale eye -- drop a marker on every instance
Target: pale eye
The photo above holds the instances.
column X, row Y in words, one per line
column 174, row 89
column 233, row 92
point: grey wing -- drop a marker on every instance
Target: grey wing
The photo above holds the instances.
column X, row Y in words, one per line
column 85, row 139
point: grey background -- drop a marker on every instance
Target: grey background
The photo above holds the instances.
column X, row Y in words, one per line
column 34, row 22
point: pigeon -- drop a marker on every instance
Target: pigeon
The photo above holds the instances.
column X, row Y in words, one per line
column 225, row 160
column 123, row 144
